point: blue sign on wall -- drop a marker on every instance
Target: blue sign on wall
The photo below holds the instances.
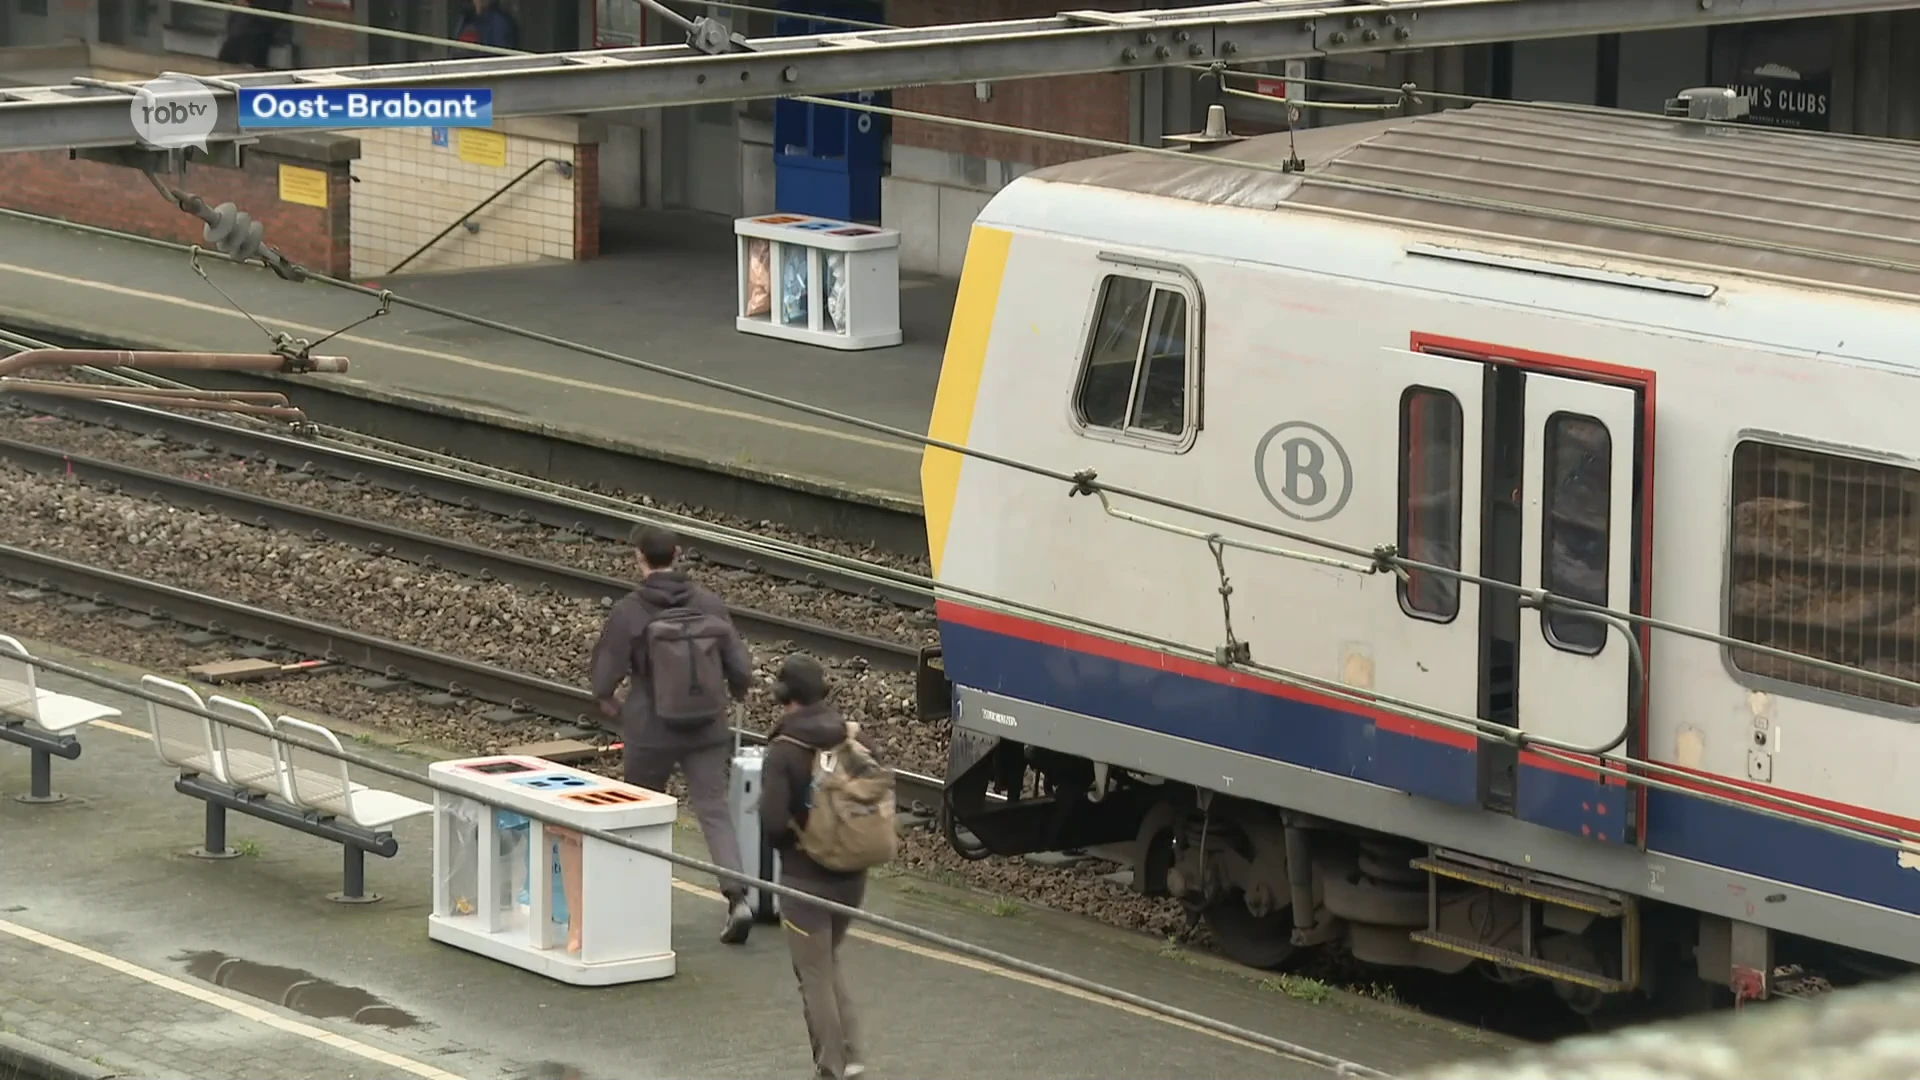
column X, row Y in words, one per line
column 439, row 136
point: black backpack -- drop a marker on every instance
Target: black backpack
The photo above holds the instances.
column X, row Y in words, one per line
column 685, row 647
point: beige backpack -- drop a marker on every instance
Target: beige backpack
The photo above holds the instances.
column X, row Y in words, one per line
column 849, row 807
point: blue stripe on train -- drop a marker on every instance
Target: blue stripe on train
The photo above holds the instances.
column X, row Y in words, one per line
column 1332, row 740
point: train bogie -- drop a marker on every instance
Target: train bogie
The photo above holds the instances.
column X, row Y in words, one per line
column 1642, row 479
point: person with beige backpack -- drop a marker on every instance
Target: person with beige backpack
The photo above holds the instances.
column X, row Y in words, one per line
column 826, row 805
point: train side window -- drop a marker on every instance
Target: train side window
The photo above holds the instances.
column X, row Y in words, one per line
column 1576, row 526
column 1825, row 562
column 1431, row 469
column 1136, row 373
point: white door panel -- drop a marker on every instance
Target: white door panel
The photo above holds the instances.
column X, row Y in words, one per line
column 1577, row 540
column 1434, row 403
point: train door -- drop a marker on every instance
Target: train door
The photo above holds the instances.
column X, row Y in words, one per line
column 1561, row 501
column 1438, row 409
column 1579, row 532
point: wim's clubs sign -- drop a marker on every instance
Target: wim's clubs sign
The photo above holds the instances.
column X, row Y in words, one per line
column 1779, row 96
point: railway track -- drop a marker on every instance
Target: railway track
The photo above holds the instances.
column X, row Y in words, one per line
column 567, row 706
column 426, row 550
column 454, row 483
column 577, row 512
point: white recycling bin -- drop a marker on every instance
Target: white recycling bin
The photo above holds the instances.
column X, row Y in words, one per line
column 549, row 899
column 819, row 281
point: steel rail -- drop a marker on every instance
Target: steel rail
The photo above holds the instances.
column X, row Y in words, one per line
column 402, row 476
column 430, row 551
column 556, row 701
column 567, row 705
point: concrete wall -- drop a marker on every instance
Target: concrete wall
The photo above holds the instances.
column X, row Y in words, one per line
column 410, row 189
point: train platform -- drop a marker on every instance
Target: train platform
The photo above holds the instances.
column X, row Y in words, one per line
column 121, row 955
column 664, row 291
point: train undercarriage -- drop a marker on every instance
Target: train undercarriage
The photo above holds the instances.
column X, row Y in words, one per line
column 1269, row 883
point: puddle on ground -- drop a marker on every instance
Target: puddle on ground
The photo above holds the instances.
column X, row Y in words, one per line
column 295, row 989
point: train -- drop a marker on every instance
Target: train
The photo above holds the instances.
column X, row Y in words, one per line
column 1485, row 539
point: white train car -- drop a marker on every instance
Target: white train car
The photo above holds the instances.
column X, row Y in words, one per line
column 1659, row 365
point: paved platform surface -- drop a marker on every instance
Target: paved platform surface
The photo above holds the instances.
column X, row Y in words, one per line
column 111, row 940
column 665, row 293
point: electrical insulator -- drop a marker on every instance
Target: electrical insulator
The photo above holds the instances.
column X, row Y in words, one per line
column 234, row 233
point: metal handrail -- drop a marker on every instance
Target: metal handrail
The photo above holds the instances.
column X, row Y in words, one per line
column 565, row 169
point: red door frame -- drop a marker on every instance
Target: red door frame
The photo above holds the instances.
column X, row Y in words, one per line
column 1638, row 379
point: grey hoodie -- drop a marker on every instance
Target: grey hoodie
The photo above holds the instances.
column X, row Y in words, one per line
column 621, row 654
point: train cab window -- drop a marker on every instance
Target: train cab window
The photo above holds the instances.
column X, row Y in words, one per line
column 1576, row 523
column 1431, row 463
column 1136, row 377
column 1825, row 562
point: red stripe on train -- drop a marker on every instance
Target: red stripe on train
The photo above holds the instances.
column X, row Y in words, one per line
column 1803, row 806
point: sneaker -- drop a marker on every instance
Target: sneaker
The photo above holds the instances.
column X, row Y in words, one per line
column 854, row 1069
column 739, row 924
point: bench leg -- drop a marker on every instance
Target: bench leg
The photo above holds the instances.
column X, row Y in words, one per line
column 215, row 846
column 40, row 783
column 353, row 888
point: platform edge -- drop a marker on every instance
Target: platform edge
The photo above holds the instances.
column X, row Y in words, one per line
column 45, row 1063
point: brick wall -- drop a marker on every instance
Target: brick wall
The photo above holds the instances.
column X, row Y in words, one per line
column 586, row 201
column 118, row 197
column 1095, row 105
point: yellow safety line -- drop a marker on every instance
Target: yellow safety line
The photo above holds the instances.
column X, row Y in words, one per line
column 229, row 1004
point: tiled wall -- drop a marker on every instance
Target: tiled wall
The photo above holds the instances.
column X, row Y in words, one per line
column 410, row 188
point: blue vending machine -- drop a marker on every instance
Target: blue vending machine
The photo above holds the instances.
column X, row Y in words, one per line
column 827, row 160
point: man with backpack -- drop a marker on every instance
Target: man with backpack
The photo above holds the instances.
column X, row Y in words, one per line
column 827, row 807
column 672, row 638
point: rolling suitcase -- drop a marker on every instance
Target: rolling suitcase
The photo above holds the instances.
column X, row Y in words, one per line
column 743, row 800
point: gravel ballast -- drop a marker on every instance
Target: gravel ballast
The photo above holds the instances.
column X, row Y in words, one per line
column 486, row 621
column 744, row 588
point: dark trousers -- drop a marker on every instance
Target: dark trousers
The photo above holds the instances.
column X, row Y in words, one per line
column 814, row 935
column 706, row 772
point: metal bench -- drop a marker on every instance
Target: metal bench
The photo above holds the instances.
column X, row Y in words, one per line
column 40, row 720
column 251, row 767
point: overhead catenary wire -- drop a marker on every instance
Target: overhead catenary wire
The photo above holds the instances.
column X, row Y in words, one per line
column 1382, row 558
column 1340, row 1066
column 1379, row 559
column 1651, row 774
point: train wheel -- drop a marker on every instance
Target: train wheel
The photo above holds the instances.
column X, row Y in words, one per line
column 1258, row 941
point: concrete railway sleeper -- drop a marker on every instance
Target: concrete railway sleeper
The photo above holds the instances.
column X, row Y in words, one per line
column 330, row 749
column 571, row 708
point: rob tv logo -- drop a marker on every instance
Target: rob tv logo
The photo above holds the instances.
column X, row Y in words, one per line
column 172, row 113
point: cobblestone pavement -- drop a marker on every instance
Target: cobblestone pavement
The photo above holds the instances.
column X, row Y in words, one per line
column 136, row 1028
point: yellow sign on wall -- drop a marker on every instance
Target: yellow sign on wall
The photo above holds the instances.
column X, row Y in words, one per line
column 308, row 187
column 478, row 146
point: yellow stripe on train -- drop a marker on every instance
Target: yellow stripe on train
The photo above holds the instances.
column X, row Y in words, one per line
column 966, row 355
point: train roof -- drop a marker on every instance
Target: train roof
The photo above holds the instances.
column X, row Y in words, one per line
column 1814, row 207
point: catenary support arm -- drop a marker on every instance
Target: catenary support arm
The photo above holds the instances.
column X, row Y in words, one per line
column 100, row 115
